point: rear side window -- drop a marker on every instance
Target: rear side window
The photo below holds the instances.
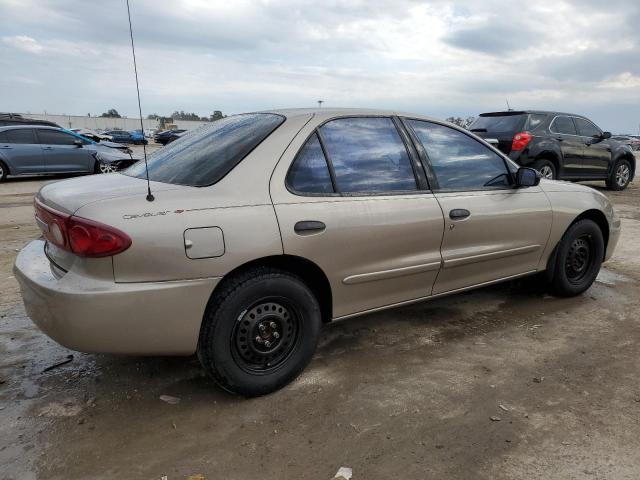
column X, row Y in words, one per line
column 459, row 161
column 535, row 120
column 55, row 137
column 563, row 125
column 368, row 155
column 21, row 135
column 309, row 172
column 498, row 123
column 586, row 128
column 203, row 156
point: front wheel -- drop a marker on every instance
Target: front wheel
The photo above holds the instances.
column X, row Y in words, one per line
column 259, row 331
column 620, row 175
column 577, row 259
column 105, row 167
column 3, row 172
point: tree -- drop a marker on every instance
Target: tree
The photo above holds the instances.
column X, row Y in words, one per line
column 111, row 113
column 182, row 115
column 461, row 122
column 153, row 116
column 217, row 115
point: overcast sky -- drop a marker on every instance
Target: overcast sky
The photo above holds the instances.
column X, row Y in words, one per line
column 435, row 57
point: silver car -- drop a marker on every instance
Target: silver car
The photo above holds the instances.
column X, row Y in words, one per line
column 265, row 225
column 38, row 150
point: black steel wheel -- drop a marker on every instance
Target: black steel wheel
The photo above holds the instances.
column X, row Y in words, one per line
column 259, row 331
column 576, row 260
column 265, row 336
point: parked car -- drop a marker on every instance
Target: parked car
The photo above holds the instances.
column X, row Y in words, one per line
column 167, row 136
column 103, row 143
column 138, row 137
column 266, row 225
column 559, row 145
column 35, row 149
column 630, row 140
column 92, row 134
column 10, row 119
column 124, row 136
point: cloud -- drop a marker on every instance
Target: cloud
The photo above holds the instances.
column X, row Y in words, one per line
column 24, row 43
column 439, row 57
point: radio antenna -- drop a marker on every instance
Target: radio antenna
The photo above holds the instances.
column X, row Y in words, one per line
column 150, row 197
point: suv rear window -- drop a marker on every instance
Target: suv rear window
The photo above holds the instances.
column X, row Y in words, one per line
column 498, row 123
column 203, row 156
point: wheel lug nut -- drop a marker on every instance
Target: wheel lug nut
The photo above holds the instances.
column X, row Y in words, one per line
column 259, row 339
column 276, row 335
column 267, row 344
column 261, row 327
column 273, row 325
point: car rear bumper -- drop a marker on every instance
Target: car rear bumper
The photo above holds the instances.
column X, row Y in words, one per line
column 94, row 315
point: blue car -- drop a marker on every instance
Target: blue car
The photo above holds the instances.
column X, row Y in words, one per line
column 124, row 136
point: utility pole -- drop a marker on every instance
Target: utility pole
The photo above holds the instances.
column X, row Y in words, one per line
column 320, row 102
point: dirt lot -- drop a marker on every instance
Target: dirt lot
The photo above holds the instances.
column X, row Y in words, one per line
column 407, row 394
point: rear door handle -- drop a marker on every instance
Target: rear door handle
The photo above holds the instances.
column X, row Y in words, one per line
column 459, row 213
column 47, row 148
column 309, row 226
column 559, row 139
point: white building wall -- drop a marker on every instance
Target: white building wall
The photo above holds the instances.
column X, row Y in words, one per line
column 94, row 123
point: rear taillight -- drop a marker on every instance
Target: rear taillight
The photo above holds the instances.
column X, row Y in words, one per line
column 520, row 140
column 81, row 236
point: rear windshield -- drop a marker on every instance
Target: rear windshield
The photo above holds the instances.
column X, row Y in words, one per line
column 497, row 123
column 201, row 157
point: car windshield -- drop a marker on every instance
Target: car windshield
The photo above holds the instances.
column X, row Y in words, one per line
column 497, row 123
column 203, row 156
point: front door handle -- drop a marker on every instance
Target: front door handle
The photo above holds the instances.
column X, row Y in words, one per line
column 47, row 148
column 459, row 213
column 309, row 226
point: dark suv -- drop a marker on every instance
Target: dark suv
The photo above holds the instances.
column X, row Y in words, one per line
column 559, row 145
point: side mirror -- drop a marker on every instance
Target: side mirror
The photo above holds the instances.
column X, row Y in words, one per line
column 78, row 142
column 527, row 177
column 605, row 135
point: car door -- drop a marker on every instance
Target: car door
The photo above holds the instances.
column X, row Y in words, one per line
column 492, row 230
column 564, row 131
column 61, row 154
column 355, row 203
column 596, row 157
column 20, row 149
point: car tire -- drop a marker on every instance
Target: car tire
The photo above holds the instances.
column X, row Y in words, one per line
column 546, row 168
column 259, row 331
column 577, row 259
column 102, row 167
column 620, row 175
column 3, row 172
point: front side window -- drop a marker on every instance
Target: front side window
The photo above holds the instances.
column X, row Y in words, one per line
column 459, row 161
column 55, row 137
column 204, row 155
column 309, row 172
column 20, row 135
column 368, row 155
column 563, row 125
column 586, row 128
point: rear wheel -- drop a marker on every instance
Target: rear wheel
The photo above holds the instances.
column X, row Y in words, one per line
column 577, row 259
column 259, row 331
column 3, row 172
column 546, row 168
column 620, row 175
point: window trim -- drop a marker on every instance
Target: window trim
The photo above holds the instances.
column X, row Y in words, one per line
column 572, row 117
column 337, row 193
column 429, row 167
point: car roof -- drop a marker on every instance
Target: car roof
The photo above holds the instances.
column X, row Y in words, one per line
column 523, row 112
column 27, row 125
column 345, row 112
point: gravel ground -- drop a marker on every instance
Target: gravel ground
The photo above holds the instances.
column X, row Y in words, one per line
column 503, row 382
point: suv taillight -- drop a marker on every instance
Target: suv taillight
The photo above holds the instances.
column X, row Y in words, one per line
column 520, row 140
column 84, row 237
